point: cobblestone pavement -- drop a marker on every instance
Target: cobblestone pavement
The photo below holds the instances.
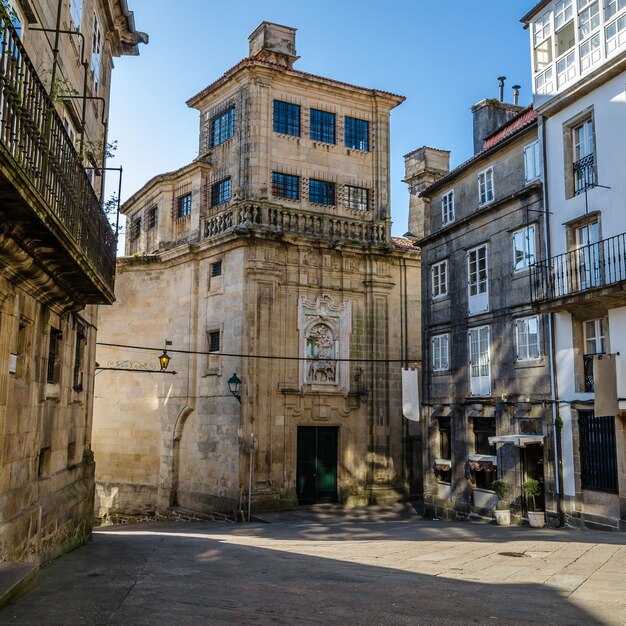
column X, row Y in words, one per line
column 333, row 568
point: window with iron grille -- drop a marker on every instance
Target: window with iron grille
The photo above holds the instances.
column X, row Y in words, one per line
column 356, row 133
column 216, row 269
column 135, row 228
column 285, row 186
column 286, row 118
column 183, row 206
column 598, row 454
column 321, row 192
column 357, row 198
column 222, row 127
column 54, row 354
column 322, row 126
column 220, row 192
column 152, row 217
column 214, row 341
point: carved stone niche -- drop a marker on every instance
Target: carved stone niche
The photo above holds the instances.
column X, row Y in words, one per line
column 324, row 333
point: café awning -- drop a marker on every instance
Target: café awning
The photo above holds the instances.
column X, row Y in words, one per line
column 519, row 441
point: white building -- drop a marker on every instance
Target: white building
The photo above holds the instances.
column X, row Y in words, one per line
column 578, row 50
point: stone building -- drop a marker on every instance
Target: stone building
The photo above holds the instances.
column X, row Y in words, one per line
column 269, row 257
column 486, row 385
column 579, row 73
column 57, row 260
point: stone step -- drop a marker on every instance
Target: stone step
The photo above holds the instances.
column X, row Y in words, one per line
column 16, row 579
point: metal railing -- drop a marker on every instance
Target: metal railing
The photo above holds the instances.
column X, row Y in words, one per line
column 34, row 136
column 584, row 173
column 588, row 267
column 294, row 221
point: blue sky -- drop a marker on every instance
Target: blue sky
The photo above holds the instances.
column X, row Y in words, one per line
column 444, row 56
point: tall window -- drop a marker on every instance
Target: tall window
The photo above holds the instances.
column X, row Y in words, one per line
column 321, row 192
column 598, row 452
column 439, row 279
column 595, row 343
column 214, row 340
column 286, row 118
column 356, row 198
column 220, row 192
column 76, row 10
column 532, row 162
column 216, row 269
column 447, row 208
column 356, row 133
column 563, row 13
column 285, row 186
column 479, row 361
column 152, row 217
column 584, row 161
column 445, row 447
column 588, row 17
column 485, row 186
column 183, row 206
column 79, row 356
column 524, row 248
column 322, row 126
column 477, row 280
column 135, row 228
column 222, row 127
column 484, row 473
column 527, row 338
column 441, row 361
column 96, row 51
column 54, row 356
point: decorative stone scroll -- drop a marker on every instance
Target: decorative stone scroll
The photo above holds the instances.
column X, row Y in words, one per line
column 324, row 329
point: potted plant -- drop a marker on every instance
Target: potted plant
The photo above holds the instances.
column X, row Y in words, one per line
column 532, row 489
column 502, row 513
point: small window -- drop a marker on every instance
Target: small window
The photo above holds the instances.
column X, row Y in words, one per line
column 485, row 187
column 79, row 355
column 588, row 18
column 322, row 126
column 54, row 356
column 152, row 218
column 613, row 7
column 524, row 248
column 441, row 361
column 615, row 34
column 447, row 208
column 356, row 198
column 478, row 280
column 532, row 162
column 286, row 118
column 135, row 228
column 439, row 279
column 222, row 127
column 285, row 186
column 321, row 192
column 357, row 134
column 76, row 10
column 183, row 206
column 220, row 192
column 96, row 51
column 527, row 338
column 214, row 341
column 563, row 13
column 216, row 269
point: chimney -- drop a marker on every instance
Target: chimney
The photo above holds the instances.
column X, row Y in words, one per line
column 491, row 114
column 274, row 43
column 516, row 89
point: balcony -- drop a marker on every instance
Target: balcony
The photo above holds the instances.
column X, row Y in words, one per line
column 597, row 270
column 48, row 209
column 584, row 174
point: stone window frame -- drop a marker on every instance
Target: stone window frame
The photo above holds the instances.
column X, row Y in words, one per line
column 522, row 323
column 278, row 188
column 332, row 192
column 439, row 286
column 281, row 122
column 322, row 127
column 55, row 353
column 579, row 347
column 227, row 121
column 356, row 204
column 152, row 217
column 569, row 158
column 357, row 143
column 532, row 162
column 486, row 186
column 221, row 191
column 440, row 350
column 529, row 256
column 447, row 208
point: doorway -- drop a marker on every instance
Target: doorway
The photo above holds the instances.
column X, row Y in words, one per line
column 532, row 462
column 316, row 474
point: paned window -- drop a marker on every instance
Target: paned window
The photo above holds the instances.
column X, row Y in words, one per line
column 357, row 133
column 594, row 337
column 96, row 51
column 532, row 162
column 216, row 269
column 220, row 192
column 54, row 356
column 322, row 126
column 524, row 248
column 590, row 52
column 616, row 34
column 183, row 206
column 321, row 192
column 285, row 186
column 485, row 186
column 222, row 127
column 613, row 7
column 214, row 341
column 439, row 279
column 544, row 83
column 588, row 19
column 356, row 198
column 286, row 118
column 479, row 361
column 565, row 69
column 152, row 217
column 447, row 208
column 477, row 280
column 563, row 13
column 441, row 361
column 135, row 228
column 584, row 158
column 598, row 452
column 527, row 338
column 542, row 28
column 76, row 10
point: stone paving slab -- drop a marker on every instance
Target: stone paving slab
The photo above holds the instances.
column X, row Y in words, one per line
column 342, row 569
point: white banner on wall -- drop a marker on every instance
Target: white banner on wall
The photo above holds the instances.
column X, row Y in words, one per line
column 410, row 395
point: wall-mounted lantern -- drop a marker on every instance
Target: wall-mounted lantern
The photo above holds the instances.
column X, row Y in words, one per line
column 234, row 386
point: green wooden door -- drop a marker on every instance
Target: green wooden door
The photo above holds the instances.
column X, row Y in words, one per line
column 316, row 476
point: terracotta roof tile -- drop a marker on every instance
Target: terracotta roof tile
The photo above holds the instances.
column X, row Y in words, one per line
column 403, row 243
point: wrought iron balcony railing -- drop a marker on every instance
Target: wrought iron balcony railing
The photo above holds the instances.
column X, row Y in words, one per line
column 33, row 141
column 584, row 173
column 589, row 267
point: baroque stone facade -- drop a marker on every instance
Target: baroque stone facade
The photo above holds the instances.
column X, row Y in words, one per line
column 268, row 256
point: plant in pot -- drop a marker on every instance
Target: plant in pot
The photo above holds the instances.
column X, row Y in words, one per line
column 532, row 489
column 502, row 513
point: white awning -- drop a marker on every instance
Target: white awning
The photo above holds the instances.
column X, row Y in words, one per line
column 484, row 458
column 519, row 441
column 443, row 462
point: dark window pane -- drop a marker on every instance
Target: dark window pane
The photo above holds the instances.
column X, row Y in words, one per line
column 285, row 186
column 220, row 192
column 54, row 353
column 356, row 198
column 152, row 218
column 222, row 127
column 598, row 455
column 286, row 118
column 183, row 206
column 322, row 126
column 216, row 269
column 321, row 192
column 214, row 341
column 357, row 133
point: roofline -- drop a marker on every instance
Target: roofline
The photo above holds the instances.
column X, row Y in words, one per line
column 410, row 154
column 252, row 62
column 538, row 7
